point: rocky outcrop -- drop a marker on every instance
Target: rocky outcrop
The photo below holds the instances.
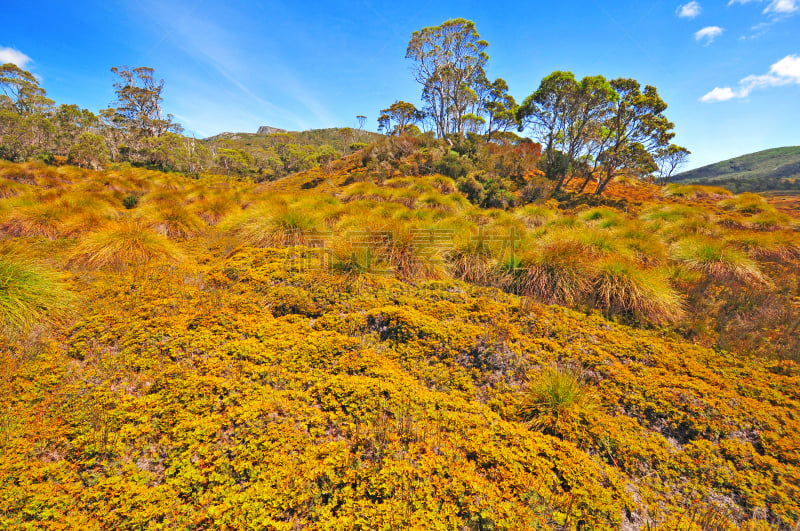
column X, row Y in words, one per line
column 267, row 130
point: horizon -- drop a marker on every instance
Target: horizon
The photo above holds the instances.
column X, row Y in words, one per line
column 730, row 72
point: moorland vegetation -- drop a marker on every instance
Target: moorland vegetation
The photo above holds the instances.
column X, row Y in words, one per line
column 453, row 329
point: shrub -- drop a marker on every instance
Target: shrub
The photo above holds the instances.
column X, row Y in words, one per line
column 130, row 201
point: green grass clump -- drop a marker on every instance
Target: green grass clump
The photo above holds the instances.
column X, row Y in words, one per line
column 623, row 289
column 555, row 402
column 718, row 261
column 747, row 203
column 121, row 245
column 29, row 294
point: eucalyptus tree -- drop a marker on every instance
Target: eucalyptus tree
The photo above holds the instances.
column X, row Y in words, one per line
column 395, row 119
column 566, row 116
column 449, row 62
column 636, row 131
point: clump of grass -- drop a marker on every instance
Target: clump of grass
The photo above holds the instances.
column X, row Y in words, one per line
column 472, row 262
column 623, row 289
column 747, row 203
column 602, row 217
column 411, row 254
column 671, row 213
column 29, row 294
column 769, row 220
column 647, row 250
column 556, row 402
column 777, row 246
column 43, row 220
column 718, row 261
column 213, row 209
column 692, row 191
column 121, row 245
column 9, row 188
column 353, row 258
column 561, row 273
column 272, row 226
column 534, row 216
column 173, row 220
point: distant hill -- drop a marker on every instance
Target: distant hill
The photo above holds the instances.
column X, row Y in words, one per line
column 340, row 138
column 768, row 170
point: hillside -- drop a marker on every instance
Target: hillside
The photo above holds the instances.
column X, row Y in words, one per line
column 361, row 347
column 768, row 170
column 340, row 138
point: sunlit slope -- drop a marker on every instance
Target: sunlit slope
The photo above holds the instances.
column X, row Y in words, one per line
column 771, row 169
column 232, row 355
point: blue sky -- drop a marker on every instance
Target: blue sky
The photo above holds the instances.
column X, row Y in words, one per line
column 730, row 71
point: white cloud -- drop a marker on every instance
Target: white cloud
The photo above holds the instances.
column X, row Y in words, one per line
column 774, row 7
column 719, row 94
column 10, row 55
column 784, row 72
column 690, row 10
column 782, row 7
column 708, row 34
column 787, row 68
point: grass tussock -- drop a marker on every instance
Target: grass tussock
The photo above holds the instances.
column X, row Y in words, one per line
column 623, row 289
column 747, row 203
column 718, row 261
column 44, row 220
column 556, row 401
column 693, row 191
column 561, row 273
column 30, row 294
column 272, row 226
column 175, row 221
column 121, row 245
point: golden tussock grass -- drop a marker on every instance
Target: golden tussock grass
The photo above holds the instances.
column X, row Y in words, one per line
column 123, row 244
column 621, row 288
column 717, row 261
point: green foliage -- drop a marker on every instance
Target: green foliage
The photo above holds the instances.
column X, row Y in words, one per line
column 130, row 201
column 29, row 294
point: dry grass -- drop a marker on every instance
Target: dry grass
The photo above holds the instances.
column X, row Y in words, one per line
column 561, row 273
column 121, row 245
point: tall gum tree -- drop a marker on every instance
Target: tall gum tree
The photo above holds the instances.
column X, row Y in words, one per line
column 449, row 60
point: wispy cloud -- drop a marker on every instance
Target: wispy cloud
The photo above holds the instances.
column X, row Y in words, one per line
column 708, row 34
column 10, row 55
column 690, row 10
column 784, row 72
column 215, row 45
column 774, row 7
